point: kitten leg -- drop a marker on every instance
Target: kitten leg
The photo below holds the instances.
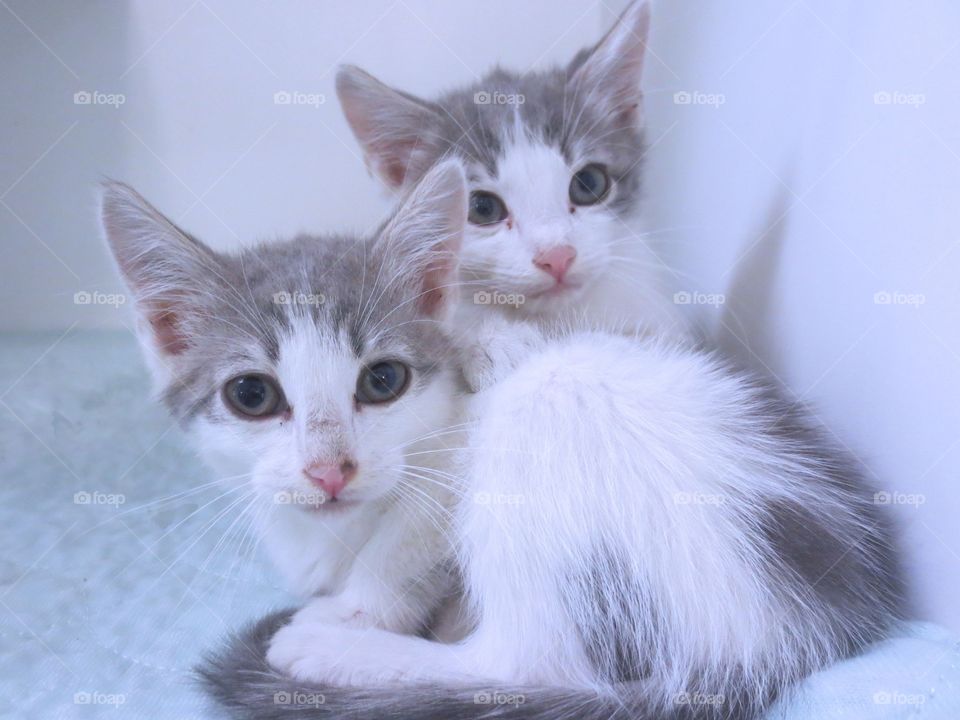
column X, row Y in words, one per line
column 495, row 348
column 397, row 580
column 339, row 655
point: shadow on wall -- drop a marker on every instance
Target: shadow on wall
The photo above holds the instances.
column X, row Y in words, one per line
column 747, row 324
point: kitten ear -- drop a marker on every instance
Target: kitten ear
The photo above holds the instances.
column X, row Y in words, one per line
column 610, row 73
column 165, row 269
column 395, row 130
column 421, row 243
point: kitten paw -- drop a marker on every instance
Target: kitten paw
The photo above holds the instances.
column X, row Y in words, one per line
column 323, row 653
column 498, row 347
column 336, row 610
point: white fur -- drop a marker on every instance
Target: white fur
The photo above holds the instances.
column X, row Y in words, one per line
column 616, row 280
column 601, row 442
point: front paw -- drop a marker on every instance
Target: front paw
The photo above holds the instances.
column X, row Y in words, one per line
column 300, row 651
column 330, row 654
column 498, row 347
column 336, row 610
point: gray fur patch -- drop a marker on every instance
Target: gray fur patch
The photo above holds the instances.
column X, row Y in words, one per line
column 245, row 687
column 247, row 306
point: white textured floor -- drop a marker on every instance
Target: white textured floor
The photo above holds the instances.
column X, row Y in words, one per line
column 106, row 605
column 104, row 598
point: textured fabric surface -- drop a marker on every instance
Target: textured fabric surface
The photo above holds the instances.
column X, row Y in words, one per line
column 119, row 567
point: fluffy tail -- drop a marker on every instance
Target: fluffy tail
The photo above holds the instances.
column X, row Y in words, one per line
column 245, row 687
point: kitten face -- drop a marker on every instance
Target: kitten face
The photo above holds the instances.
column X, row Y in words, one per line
column 322, row 425
column 552, row 177
column 312, row 366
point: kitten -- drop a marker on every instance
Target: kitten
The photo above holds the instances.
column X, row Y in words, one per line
column 662, row 537
column 555, row 181
column 646, row 534
column 321, row 370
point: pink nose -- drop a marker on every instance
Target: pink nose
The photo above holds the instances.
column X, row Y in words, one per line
column 331, row 478
column 556, row 261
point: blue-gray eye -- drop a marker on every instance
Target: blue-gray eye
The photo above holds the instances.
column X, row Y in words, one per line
column 254, row 396
column 589, row 185
column 486, row 208
column 382, row 382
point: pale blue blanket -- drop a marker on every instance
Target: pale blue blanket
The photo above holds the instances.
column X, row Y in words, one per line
column 108, row 598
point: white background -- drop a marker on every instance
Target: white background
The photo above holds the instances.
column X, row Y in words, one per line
column 787, row 184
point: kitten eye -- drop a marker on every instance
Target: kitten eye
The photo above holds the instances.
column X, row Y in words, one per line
column 253, row 396
column 589, row 185
column 486, row 208
column 382, row 382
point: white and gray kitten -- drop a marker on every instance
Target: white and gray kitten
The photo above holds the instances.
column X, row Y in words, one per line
column 320, row 371
column 671, row 539
column 660, row 537
column 555, row 213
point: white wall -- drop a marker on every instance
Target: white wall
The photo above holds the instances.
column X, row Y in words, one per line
column 199, row 133
column 799, row 197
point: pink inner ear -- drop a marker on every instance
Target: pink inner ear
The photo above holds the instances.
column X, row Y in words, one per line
column 394, row 160
column 167, row 332
column 436, row 280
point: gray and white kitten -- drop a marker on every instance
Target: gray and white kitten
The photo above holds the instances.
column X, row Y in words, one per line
column 647, row 534
column 663, row 537
column 554, row 161
column 320, row 373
